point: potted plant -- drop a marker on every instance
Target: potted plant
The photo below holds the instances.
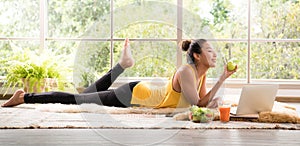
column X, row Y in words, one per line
column 87, row 78
column 33, row 77
column 36, row 72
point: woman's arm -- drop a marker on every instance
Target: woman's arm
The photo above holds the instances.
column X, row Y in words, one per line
column 185, row 77
column 204, row 100
column 188, row 87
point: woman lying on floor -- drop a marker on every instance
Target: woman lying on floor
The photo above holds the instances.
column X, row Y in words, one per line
column 186, row 87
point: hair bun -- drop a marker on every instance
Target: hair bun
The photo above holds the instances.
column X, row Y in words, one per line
column 185, row 44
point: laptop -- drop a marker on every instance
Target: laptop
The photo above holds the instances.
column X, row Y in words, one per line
column 253, row 100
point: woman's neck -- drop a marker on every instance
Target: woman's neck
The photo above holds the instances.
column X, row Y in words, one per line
column 200, row 69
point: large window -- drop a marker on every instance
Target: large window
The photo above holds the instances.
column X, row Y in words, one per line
column 262, row 35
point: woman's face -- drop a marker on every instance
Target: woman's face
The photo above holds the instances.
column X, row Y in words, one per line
column 208, row 55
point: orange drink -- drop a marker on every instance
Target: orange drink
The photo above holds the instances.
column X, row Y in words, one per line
column 224, row 113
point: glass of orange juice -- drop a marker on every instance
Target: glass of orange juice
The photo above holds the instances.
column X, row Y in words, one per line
column 224, row 109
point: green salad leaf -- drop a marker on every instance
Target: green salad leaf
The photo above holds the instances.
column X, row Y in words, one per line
column 201, row 114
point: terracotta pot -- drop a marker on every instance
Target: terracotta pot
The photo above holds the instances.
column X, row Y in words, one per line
column 80, row 89
column 32, row 85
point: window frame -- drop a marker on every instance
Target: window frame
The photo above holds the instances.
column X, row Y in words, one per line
column 284, row 84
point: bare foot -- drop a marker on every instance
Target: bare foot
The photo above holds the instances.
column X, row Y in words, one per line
column 126, row 57
column 16, row 99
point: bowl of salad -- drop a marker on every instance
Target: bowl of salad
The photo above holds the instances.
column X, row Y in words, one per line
column 201, row 114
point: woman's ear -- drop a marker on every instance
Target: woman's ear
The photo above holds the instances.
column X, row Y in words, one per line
column 196, row 56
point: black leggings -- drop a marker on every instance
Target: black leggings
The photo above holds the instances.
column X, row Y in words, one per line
column 96, row 93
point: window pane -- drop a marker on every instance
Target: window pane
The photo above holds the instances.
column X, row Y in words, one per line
column 152, row 59
column 145, row 19
column 275, row 60
column 15, row 51
column 19, row 18
column 63, row 47
column 92, row 59
column 64, row 52
column 227, row 51
column 275, row 19
column 88, row 18
column 124, row 3
column 215, row 19
column 147, row 30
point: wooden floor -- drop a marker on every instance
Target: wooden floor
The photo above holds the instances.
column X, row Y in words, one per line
column 178, row 137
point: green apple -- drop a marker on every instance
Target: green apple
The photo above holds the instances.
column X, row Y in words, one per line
column 231, row 65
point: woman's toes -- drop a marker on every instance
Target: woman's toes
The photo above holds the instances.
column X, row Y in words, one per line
column 126, row 57
column 16, row 99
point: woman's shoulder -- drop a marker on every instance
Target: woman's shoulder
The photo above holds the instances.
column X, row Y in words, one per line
column 186, row 68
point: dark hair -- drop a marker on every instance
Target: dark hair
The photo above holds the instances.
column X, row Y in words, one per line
column 191, row 47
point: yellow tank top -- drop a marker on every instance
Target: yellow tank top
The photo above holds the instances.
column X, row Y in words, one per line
column 148, row 95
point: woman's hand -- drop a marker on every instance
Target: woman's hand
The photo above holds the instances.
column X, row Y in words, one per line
column 214, row 102
column 227, row 73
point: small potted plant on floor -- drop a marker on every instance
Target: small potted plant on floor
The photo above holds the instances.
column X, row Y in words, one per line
column 33, row 77
column 87, row 78
column 36, row 72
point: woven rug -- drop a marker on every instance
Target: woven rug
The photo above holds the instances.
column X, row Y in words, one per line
column 281, row 112
column 95, row 116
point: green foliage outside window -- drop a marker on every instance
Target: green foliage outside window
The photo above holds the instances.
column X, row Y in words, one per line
column 212, row 19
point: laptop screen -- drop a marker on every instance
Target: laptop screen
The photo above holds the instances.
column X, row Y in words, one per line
column 256, row 98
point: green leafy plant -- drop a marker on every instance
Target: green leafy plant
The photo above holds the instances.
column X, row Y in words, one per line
column 36, row 72
column 33, row 77
column 87, row 78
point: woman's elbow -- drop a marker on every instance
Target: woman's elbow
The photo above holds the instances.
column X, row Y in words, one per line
column 200, row 103
column 195, row 102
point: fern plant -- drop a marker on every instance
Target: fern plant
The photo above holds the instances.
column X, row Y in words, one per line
column 35, row 72
column 33, row 77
